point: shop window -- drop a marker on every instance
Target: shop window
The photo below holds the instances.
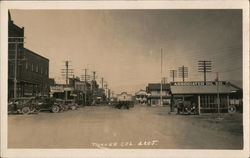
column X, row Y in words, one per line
column 210, row 101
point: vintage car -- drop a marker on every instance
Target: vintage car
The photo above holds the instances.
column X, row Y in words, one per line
column 187, row 107
column 71, row 104
column 124, row 104
column 23, row 105
column 49, row 104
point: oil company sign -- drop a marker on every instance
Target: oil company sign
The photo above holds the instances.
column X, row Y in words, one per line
column 199, row 83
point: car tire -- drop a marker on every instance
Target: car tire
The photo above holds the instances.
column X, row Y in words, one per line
column 25, row 110
column 73, row 107
column 55, row 109
column 231, row 109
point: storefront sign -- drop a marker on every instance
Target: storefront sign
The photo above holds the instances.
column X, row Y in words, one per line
column 197, row 83
column 68, row 88
column 56, row 89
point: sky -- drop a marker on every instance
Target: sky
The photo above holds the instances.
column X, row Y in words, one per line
column 124, row 46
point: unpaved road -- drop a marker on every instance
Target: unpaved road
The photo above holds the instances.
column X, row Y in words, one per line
column 139, row 127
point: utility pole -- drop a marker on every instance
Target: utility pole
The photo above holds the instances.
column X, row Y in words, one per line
column 17, row 40
column 15, row 72
column 85, row 85
column 105, row 89
column 218, row 95
column 183, row 73
column 94, row 75
column 165, row 79
column 173, row 74
column 93, row 85
column 204, row 66
column 102, row 82
column 67, row 72
column 161, row 81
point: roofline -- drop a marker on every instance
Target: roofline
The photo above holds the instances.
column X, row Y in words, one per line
column 233, row 85
column 35, row 53
column 199, row 93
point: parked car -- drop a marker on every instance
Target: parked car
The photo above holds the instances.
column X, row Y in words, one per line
column 186, row 107
column 124, row 104
column 49, row 104
column 23, row 105
column 71, row 104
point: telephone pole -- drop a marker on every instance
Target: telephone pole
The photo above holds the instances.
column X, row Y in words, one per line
column 218, row 95
column 173, row 74
column 17, row 40
column 67, row 72
column 85, row 85
column 161, row 81
column 105, row 89
column 165, row 79
column 94, row 75
column 183, row 73
column 102, row 82
column 204, row 66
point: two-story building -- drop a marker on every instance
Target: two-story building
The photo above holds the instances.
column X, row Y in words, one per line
column 28, row 72
column 155, row 94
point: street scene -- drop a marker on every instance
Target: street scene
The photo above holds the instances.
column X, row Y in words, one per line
column 141, row 127
column 125, row 79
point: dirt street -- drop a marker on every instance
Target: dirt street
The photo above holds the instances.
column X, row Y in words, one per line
column 139, row 127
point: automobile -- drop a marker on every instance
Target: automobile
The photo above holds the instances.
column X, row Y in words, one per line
column 48, row 104
column 71, row 104
column 23, row 105
column 187, row 107
column 124, row 104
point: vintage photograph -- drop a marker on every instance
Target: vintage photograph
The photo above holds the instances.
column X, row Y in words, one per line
column 125, row 79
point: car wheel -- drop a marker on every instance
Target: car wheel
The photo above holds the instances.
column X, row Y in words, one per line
column 55, row 109
column 25, row 110
column 231, row 109
column 73, row 107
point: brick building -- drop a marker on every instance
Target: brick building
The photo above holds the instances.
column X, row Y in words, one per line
column 32, row 69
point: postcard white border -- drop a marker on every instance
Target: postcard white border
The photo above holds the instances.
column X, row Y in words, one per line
column 5, row 152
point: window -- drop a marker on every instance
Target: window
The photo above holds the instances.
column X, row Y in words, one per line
column 46, row 71
column 41, row 70
column 32, row 67
column 26, row 65
column 36, row 68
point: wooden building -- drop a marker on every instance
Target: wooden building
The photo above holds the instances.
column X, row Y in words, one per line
column 204, row 94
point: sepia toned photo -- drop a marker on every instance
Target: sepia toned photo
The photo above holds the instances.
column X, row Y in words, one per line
column 125, row 79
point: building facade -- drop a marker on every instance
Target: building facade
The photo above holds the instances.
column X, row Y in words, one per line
column 29, row 69
column 154, row 94
column 124, row 96
column 205, row 96
column 141, row 97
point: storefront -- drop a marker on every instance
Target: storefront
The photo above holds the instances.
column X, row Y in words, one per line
column 141, row 97
column 156, row 93
column 205, row 96
column 59, row 91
